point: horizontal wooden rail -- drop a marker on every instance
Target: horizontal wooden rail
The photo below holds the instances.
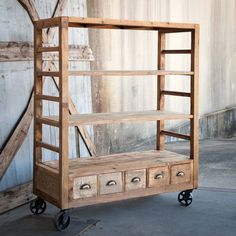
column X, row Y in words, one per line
column 177, row 51
column 49, row 73
column 176, row 135
column 128, row 73
column 48, row 146
column 47, row 97
column 48, row 121
column 126, row 24
column 119, row 117
column 175, row 93
column 48, row 49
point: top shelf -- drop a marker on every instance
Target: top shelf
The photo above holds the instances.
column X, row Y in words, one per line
column 102, row 23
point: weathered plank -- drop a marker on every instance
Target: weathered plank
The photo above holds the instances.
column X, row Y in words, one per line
column 119, row 117
column 23, row 51
column 15, row 197
column 129, row 73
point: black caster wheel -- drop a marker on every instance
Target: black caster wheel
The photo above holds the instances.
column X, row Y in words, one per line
column 185, row 197
column 38, row 206
column 62, row 220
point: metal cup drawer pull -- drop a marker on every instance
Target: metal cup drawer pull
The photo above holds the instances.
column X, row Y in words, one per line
column 85, row 186
column 180, row 174
column 135, row 180
column 159, row 176
column 111, row 183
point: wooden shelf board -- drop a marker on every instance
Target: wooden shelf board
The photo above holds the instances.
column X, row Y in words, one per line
column 121, row 162
column 129, row 73
column 119, row 117
column 127, row 24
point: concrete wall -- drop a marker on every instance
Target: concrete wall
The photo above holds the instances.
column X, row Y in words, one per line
column 137, row 50
column 16, row 82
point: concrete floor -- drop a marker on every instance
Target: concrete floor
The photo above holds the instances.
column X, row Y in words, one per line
column 213, row 211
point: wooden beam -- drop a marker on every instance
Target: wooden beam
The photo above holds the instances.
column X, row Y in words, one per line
column 29, row 6
column 194, row 123
column 160, row 86
column 176, row 51
column 176, row 135
column 129, row 73
column 23, row 51
column 16, row 139
column 16, row 196
column 175, row 93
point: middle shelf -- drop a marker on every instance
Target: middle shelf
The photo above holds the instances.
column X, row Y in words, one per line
column 119, row 117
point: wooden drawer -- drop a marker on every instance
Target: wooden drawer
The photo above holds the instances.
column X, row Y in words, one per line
column 158, row 176
column 181, row 173
column 110, row 183
column 84, row 187
column 135, row 179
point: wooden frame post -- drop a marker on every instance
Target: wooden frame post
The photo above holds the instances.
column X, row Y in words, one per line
column 160, row 87
column 38, row 87
column 194, row 103
column 63, row 112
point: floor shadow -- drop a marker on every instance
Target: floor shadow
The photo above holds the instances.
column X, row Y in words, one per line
column 43, row 225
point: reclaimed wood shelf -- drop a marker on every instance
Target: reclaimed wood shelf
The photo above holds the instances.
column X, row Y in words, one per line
column 119, row 117
column 120, row 161
column 128, row 73
column 69, row 183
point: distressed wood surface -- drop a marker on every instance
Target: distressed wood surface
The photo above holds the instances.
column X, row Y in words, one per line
column 121, row 162
column 16, row 196
column 119, row 117
column 129, row 73
column 23, row 51
column 125, row 24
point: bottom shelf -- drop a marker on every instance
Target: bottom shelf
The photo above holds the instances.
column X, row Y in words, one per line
column 116, row 177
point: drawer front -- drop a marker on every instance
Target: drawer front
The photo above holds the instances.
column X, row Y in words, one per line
column 181, row 173
column 135, row 179
column 84, row 187
column 110, row 183
column 158, row 176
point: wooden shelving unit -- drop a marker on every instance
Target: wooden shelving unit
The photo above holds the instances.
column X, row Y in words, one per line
column 69, row 183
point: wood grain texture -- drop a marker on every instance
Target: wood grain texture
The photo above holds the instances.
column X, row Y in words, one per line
column 24, row 51
column 194, row 145
column 181, row 173
column 63, row 113
column 78, row 183
column 16, row 196
column 110, row 183
column 121, row 162
column 135, row 179
column 158, row 176
column 47, row 181
column 161, row 45
column 126, row 24
column 119, row 117
column 129, row 73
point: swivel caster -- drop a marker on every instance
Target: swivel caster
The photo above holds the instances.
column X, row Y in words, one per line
column 62, row 220
column 38, row 206
column 185, row 197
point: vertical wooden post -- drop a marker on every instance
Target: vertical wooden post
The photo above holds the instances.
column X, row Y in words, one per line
column 63, row 112
column 194, row 103
column 38, row 87
column 160, row 87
